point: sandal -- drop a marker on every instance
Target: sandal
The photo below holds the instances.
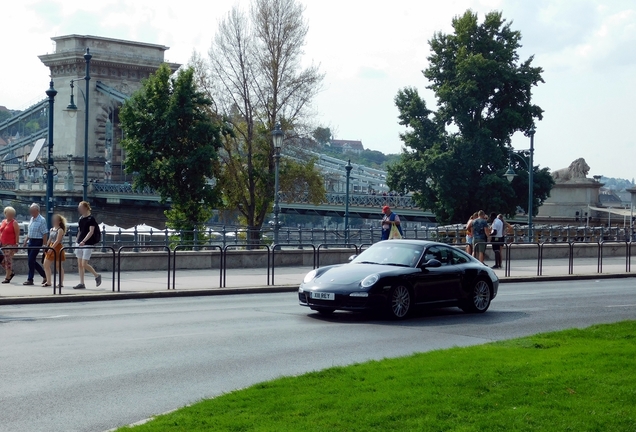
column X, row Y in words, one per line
column 44, row 285
column 10, row 277
column 6, row 280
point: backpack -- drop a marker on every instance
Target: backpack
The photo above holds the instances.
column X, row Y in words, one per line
column 97, row 233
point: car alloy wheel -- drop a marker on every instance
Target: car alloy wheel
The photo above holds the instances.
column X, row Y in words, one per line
column 400, row 301
column 481, row 296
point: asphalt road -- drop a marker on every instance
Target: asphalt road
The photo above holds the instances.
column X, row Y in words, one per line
column 95, row 366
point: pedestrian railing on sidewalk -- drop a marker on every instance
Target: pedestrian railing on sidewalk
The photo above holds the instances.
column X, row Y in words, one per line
column 45, row 249
column 122, row 248
column 200, row 249
column 280, row 247
column 572, row 252
column 101, row 249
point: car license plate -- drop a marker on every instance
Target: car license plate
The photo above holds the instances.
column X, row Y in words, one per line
column 323, row 296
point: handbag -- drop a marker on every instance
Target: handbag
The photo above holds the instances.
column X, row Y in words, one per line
column 394, row 233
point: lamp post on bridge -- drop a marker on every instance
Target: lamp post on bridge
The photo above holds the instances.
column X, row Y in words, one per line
column 510, row 175
column 72, row 106
column 51, row 93
column 348, row 168
column 277, row 137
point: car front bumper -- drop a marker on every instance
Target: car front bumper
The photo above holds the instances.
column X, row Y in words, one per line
column 342, row 301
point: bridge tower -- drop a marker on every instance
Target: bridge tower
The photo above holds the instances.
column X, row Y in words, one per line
column 116, row 70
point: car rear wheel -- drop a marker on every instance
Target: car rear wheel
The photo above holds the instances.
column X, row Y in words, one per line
column 399, row 302
column 480, row 298
column 323, row 311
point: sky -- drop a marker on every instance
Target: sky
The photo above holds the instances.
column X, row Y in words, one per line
column 369, row 50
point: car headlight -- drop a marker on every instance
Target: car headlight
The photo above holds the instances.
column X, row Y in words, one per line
column 369, row 280
column 310, row 276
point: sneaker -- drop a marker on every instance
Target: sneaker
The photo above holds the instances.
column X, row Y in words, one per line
column 79, row 286
column 29, row 282
column 98, row 280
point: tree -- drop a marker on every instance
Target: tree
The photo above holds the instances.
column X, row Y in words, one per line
column 5, row 115
column 255, row 79
column 454, row 158
column 322, row 135
column 31, row 127
column 171, row 144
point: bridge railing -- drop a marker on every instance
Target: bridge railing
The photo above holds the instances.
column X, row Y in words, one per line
column 237, row 236
column 355, row 200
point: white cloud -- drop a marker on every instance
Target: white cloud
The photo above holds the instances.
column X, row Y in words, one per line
column 370, row 49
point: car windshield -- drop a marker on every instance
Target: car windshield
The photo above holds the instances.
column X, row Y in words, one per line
column 391, row 253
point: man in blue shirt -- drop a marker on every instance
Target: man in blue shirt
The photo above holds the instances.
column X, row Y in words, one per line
column 36, row 237
column 481, row 231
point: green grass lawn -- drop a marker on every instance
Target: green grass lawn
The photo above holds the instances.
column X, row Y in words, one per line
column 573, row 380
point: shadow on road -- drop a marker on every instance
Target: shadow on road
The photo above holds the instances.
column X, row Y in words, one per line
column 424, row 317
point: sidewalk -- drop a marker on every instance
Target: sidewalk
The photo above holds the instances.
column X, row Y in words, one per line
column 206, row 282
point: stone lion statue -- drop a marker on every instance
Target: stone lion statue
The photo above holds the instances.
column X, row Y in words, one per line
column 576, row 171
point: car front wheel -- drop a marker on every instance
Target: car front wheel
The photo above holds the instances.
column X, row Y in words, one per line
column 399, row 302
column 480, row 298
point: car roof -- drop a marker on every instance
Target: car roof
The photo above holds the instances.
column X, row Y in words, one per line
column 415, row 242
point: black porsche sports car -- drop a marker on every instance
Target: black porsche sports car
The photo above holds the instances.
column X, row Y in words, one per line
column 398, row 275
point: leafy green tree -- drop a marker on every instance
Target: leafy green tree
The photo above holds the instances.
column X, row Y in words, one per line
column 171, row 143
column 322, row 135
column 31, row 127
column 299, row 183
column 4, row 115
column 455, row 157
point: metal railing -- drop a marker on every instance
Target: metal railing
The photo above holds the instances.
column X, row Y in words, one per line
column 272, row 251
column 288, row 236
column 102, row 249
column 44, row 249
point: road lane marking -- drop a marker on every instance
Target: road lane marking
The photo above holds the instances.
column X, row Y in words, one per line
column 619, row 306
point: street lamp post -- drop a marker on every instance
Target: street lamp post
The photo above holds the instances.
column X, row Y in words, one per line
column 51, row 93
column 277, row 137
column 510, row 175
column 348, row 168
column 87, row 79
column 71, row 106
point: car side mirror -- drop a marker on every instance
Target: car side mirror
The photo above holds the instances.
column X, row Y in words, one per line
column 432, row 263
column 352, row 257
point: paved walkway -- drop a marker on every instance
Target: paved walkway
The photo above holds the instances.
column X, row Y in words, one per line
column 284, row 277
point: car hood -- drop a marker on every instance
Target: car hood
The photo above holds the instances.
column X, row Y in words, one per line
column 348, row 274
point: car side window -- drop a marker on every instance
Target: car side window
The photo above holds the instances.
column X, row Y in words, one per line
column 457, row 257
column 441, row 254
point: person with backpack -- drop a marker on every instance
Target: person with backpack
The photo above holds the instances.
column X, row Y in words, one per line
column 88, row 235
column 388, row 221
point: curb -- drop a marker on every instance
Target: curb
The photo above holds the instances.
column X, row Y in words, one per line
column 565, row 278
column 74, row 298
column 109, row 296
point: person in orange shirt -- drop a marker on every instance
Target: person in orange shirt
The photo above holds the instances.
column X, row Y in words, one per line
column 9, row 236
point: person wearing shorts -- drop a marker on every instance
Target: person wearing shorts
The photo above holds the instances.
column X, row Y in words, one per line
column 481, row 231
column 469, row 234
column 86, row 238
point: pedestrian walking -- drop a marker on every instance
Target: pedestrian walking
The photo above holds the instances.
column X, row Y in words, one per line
column 469, row 234
column 389, row 220
column 9, row 237
column 37, row 234
column 481, row 231
column 55, row 255
column 497, row 236
column 87, row 236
